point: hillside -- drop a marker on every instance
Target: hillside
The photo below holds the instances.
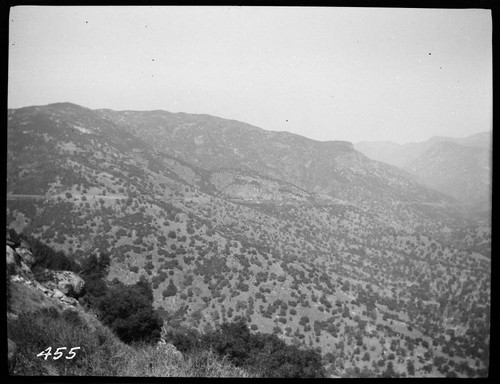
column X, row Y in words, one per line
column 312, row 241
column 463, row 172
column 392, row 153
column 400, row 155
column 458, row 167
column 44, row 324
column 332, row 168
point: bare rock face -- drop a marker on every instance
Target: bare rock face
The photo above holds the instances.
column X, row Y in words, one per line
column 26, row 256
column 16, row 264
column 58, row 294
column 67, row 282
column 69, row 300
column 66, row 286
column 70, row 283
column 11, row 260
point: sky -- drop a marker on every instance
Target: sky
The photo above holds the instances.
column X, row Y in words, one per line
column 354, row 74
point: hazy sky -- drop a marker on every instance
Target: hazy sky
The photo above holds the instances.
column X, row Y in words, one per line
column 325, row 73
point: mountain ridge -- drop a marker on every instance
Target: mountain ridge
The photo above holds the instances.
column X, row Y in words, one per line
column 329, row 270
column 401, row 154
column 458, row 167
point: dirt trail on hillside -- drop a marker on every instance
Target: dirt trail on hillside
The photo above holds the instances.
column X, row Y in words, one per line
column 46, row 197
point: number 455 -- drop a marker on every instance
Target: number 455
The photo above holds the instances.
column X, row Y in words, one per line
column 58, row 354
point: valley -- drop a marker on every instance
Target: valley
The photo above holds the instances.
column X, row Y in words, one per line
column 311, row 241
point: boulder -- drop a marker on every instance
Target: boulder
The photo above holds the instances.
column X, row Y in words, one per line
column 40, row 287
column 69, row 283
column 17, row 279
column 11, row 260
column 16, row 264
column 69, row 300
column 12, row 355
column 26, row 256
column 58, row 294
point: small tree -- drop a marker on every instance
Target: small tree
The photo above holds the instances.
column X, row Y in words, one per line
column 171, row 290
column 95, row 266
column 410, row 367
column 389, row 372
column 128, row 311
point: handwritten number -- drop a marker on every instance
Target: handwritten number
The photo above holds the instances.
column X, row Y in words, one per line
column 71, row 352
column 45, row 353
column 58, row 353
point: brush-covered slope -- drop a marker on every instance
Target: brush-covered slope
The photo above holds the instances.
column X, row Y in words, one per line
column 352, row 258
column 458, row 167
column 334, row 168
column 461, row 171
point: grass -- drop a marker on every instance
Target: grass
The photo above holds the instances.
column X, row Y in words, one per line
column 149, row 361
column 101, row 353
column 25, row 299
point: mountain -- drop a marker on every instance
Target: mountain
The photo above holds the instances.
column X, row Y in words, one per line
column 400, row 155
column 310, row 240
column 334, row 169
column 391, row 153
column 479, row 140
column 461, row 171
column 458, row 167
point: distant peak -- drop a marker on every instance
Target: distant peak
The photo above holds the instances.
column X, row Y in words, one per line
column 338, row 143
column 66, row 105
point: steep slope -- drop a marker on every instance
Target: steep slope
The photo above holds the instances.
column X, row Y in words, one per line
column 334, row 169
column 458, row 167
column 463, row 172
column 36, row 320
column 336, row 270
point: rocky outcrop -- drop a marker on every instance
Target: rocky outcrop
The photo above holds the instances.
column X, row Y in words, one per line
column 18, row 264
column 66, row 286
column 67, row 282
column 11, row 260
column 49, row 292
column 26, row 256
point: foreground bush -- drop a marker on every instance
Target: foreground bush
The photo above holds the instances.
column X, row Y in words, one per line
column 128, row 311
column 101, row 353
column 262, row 354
